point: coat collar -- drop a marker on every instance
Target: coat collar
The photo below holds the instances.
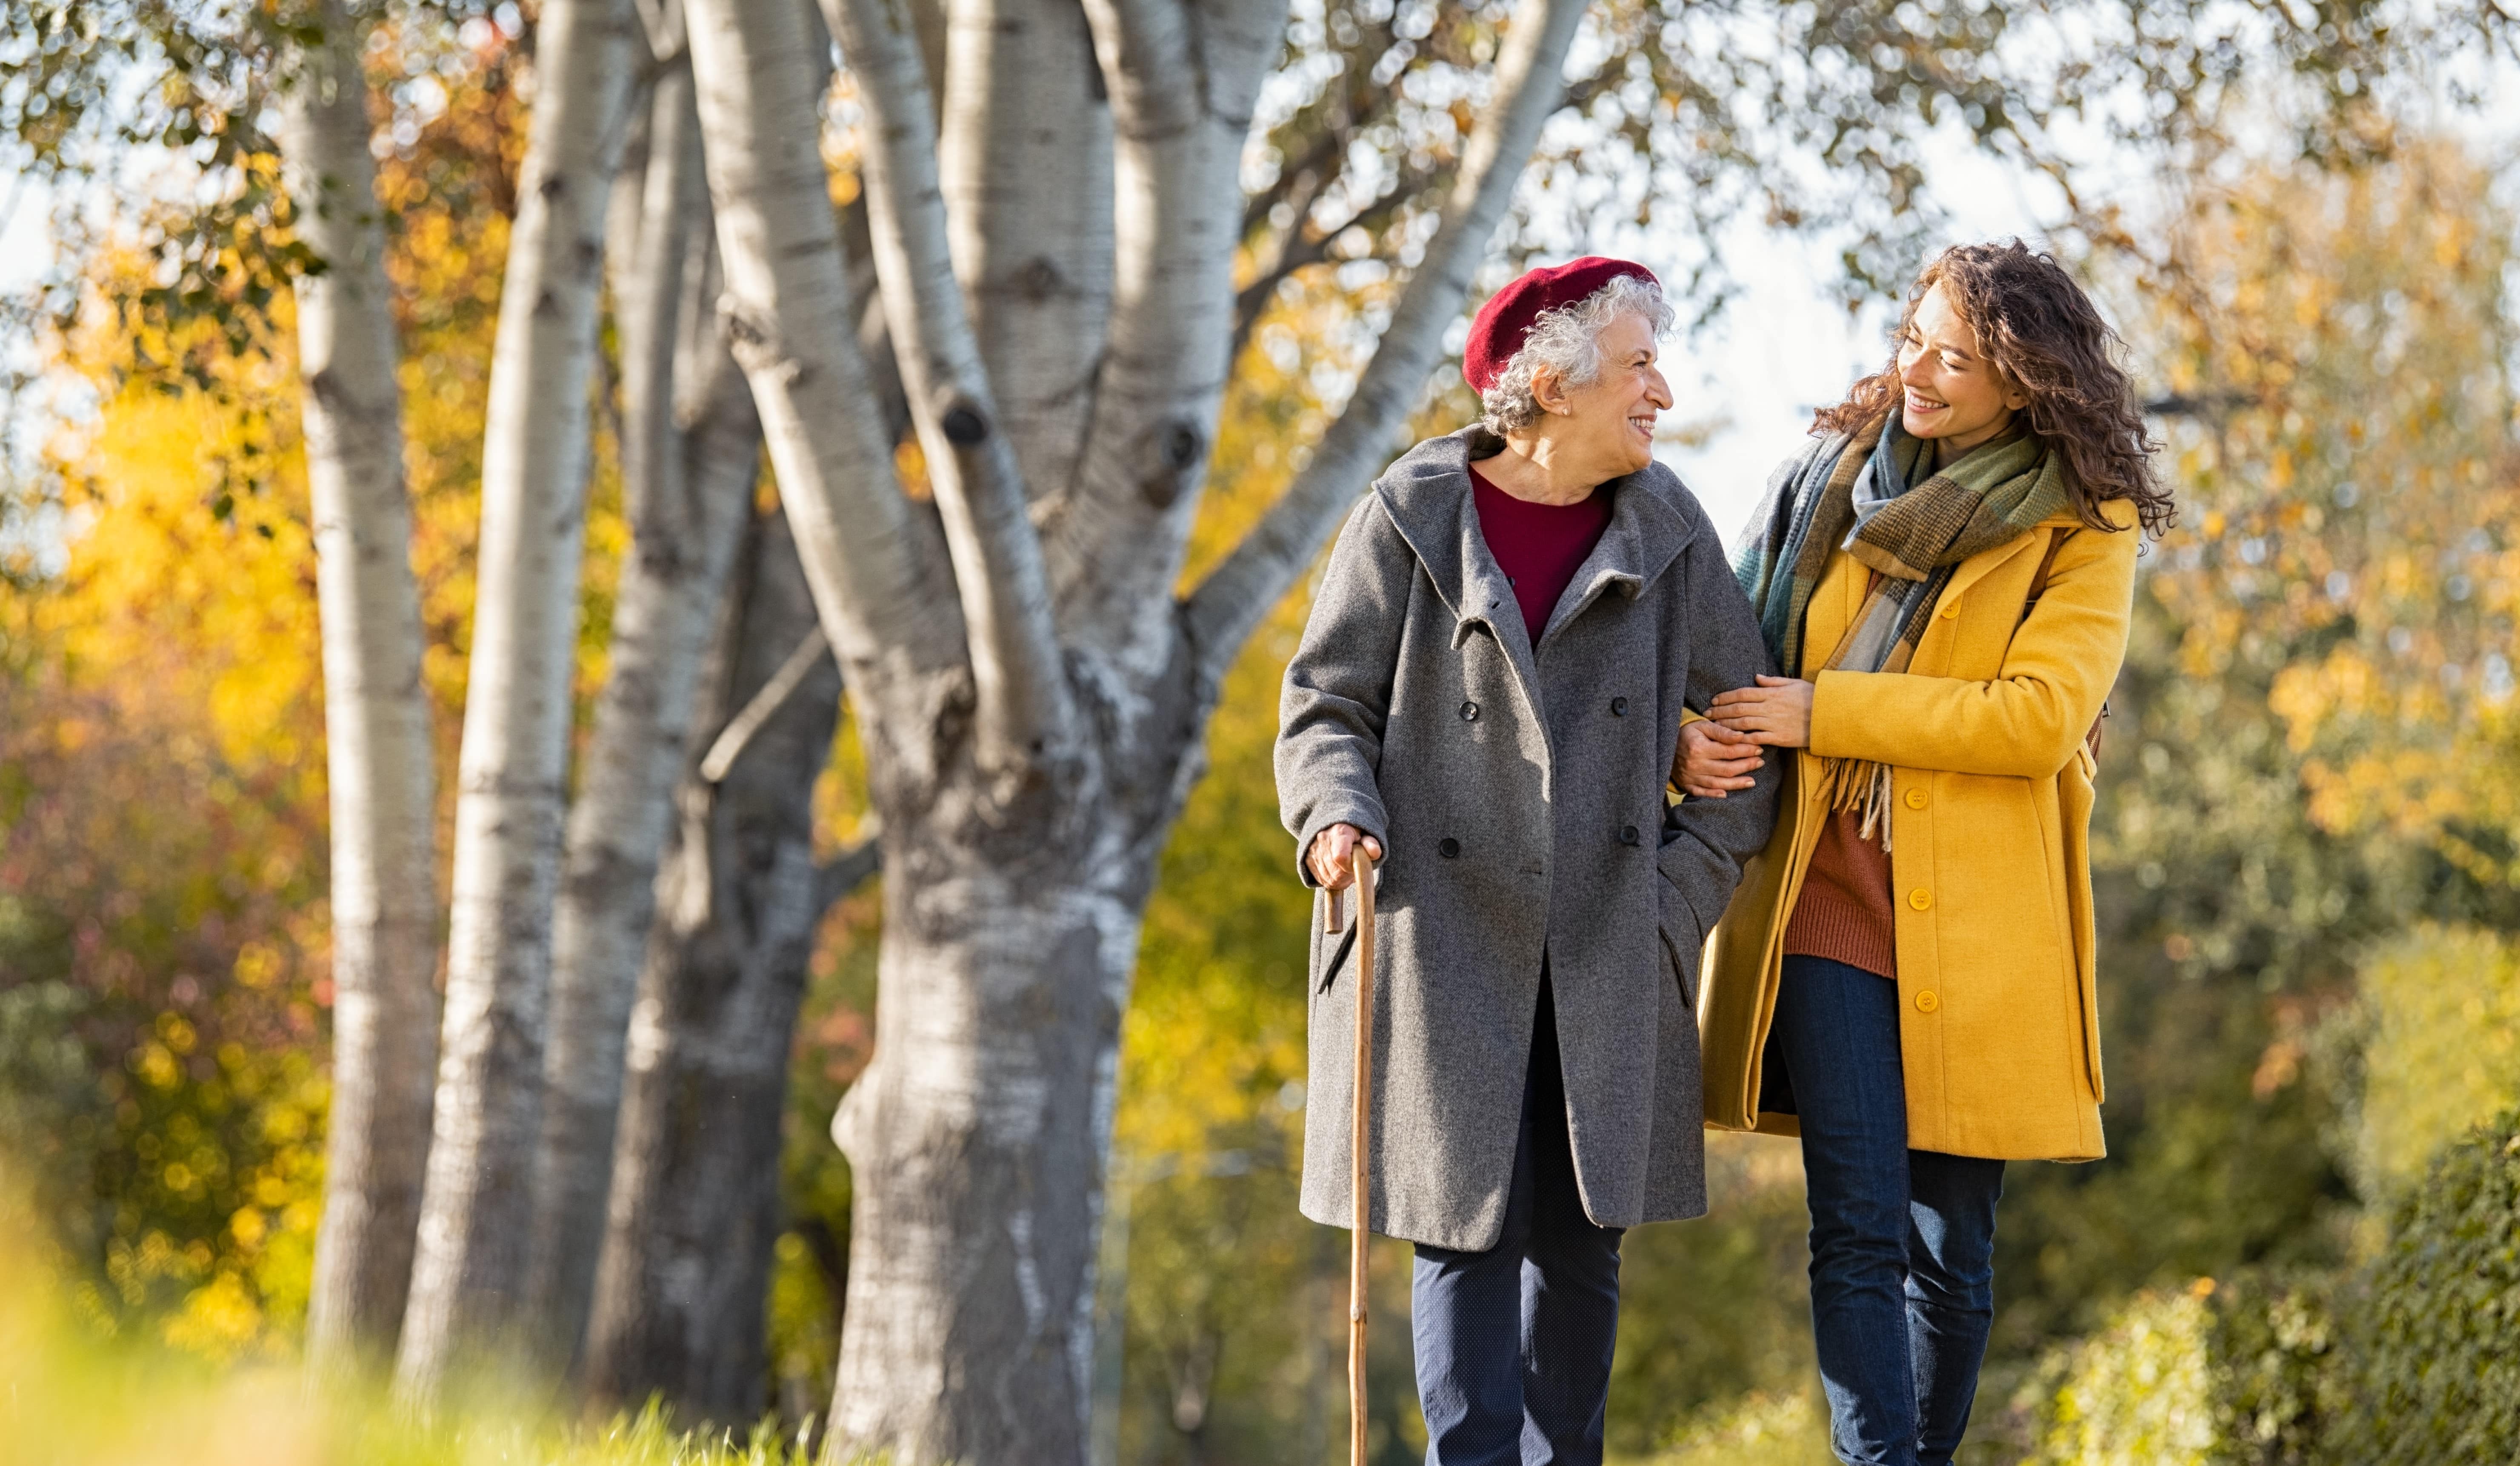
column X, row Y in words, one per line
column 1427, row 495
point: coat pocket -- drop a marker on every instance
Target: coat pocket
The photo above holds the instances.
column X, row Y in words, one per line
column 1682, row 941
column 1684, row 970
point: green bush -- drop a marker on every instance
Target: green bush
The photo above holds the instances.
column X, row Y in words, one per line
column 2437, row 1337
column 2242, row 1372
column 2415, row 1362
column 2137, row 1393
column 2437, row 1034
column 2274, row 1370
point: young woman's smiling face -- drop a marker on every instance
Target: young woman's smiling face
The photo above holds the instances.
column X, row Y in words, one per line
column 1950, row 392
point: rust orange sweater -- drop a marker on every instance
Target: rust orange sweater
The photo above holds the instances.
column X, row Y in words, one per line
column 1844, row 912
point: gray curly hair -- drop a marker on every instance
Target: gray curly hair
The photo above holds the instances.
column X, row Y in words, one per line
column 1566, row 344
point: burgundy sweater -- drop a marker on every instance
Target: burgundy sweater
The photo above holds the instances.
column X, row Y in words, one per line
column 1538, row 546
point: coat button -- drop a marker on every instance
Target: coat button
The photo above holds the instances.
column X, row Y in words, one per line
column 1628, row 836
column 1926, row 1002
column 1448, row 847
column 1469, row 712
column 1618, row 707
column 1915, row 799
column 1921, row 898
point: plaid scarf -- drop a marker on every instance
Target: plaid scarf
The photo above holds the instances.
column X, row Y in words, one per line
column 1875, row 493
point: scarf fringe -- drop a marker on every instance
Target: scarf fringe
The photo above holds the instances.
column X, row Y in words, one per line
column 1862, row 786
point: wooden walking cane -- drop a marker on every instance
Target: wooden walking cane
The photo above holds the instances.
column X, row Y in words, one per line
column 1359, row 1144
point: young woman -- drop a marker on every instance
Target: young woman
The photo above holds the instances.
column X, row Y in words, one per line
column 1904, row 977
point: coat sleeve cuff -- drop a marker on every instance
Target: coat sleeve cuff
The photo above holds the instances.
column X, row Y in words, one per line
column 1832, row 697
column 1365, row 814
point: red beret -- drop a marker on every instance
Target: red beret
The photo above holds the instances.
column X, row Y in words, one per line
column 1497, row 331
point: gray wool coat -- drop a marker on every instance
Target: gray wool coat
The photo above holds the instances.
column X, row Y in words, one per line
column 1518, row 798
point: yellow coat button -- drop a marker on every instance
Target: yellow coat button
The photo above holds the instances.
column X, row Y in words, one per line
column 1926, row 1002
column 1915, row 799
column 1920, row 897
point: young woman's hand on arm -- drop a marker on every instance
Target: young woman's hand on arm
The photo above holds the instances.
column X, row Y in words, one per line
column 1777, row 712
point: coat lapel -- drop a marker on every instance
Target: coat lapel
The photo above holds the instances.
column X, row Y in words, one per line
column 1427, row 495
column 1644, row 534
column 1983, row 563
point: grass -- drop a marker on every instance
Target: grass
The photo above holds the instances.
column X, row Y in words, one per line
column 73, row 1394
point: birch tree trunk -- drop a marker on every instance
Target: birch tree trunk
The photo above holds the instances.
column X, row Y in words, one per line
column 376, row 713
column 1026, row 769
column 467, row 1279
column 1026, row 173
column 695, row 1203
column 690, row 457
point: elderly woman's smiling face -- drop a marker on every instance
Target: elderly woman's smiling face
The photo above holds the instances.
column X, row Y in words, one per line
column 1609, row 421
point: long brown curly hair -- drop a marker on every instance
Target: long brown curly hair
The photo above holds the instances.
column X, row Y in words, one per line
column 2047, row 339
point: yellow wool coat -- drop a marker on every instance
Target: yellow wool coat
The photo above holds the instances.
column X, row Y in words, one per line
column 1989, row 865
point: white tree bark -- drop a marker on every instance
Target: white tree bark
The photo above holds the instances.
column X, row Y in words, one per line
column 1182, row 76
column 1025, row 158
column 695, row 1201
column 691, row 458
column 376, row 713
column 1018, row 674
column 469, row 1277
column 976, row 1138
column 876, row 562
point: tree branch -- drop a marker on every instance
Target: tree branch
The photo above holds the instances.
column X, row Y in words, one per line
column 874, row 563
column 1025, row 158
column 1016, row 668
column 1184, row 84
column 1306, row 246
column 1300, row 180
column 1239, row 591
column 737, row 735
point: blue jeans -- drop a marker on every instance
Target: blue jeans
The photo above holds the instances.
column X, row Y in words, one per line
column 1514, row 1343
column 1902, row 1241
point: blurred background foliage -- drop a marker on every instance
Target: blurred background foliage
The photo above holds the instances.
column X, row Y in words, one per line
column 2308, row 843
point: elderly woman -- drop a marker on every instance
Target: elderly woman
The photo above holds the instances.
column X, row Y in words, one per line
column 1906, row 979
column 1486, row 697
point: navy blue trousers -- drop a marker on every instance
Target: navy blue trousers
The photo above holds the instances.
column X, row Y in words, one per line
column 1514, row 1343
column 1902, row 1241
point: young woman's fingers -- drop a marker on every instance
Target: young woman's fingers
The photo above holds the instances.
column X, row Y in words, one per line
column 1708, row 730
